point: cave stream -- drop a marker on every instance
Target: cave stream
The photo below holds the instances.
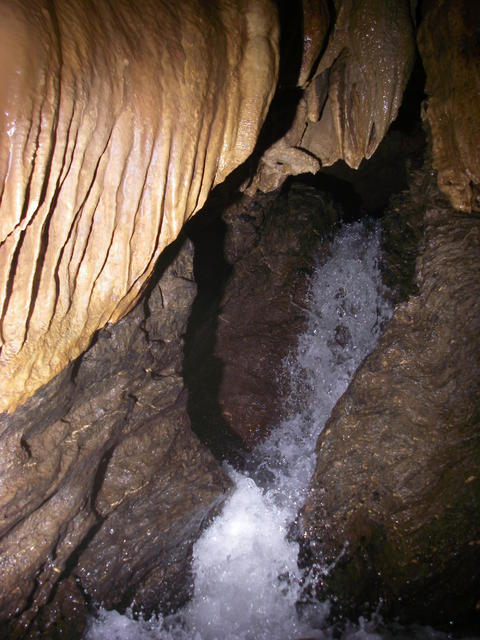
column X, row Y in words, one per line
column 247, row 581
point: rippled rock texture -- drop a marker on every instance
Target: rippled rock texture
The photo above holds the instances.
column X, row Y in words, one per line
column 116, row 120
column 103, row 485
column 394, row 499
column 449, row 45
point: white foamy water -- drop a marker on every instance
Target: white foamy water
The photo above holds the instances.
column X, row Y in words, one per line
column 247, row 581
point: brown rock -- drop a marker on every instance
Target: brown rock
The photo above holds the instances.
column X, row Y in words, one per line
column 102, row 480
column 367, row 62
column 116, row 120
column 398, row 470
column 450, row 50
column 271, row 246
column 64, row 615
column 316, row 24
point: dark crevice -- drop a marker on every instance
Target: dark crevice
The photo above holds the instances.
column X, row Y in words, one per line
column 97, row 484
column 290, row 14
column 202, row 370
column 342, row 191
column 167, row 257
column 408, row 117
column 26, row 447
column 10, row 280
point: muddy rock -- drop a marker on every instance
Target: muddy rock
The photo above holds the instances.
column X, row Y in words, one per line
column 104, row 487
column 394, row 499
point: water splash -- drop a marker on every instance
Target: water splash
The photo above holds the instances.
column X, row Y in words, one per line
column 247, row 581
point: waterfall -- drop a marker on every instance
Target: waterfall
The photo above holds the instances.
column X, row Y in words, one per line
column 247, row 581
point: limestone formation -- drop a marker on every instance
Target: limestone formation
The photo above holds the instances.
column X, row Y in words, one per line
column 393, row 507
column 354, row 92
column 448, row 43
column 116, row 119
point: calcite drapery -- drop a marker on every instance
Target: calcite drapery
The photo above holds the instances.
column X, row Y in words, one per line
column 115, row 122
column 354, row 92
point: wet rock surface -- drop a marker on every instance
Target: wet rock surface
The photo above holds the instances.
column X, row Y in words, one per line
column 104, row 487
column 234, row 356
column 116, row 121
column 448, row 42
column 350, row 93
column 394, row 499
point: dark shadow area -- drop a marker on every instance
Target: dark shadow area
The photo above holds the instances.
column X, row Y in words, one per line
column 342, row 191
column 291, row 41
column 409, row 117
column 202, row 370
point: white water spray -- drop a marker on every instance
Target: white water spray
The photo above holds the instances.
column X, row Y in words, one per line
column 247, row 581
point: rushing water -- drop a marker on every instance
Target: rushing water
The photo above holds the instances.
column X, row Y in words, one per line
column 247, row 581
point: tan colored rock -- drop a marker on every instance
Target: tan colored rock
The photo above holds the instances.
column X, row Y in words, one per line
column 316, row 23
column 448, row 43
column 355, row 92
column 368, row 62
column 115, row 123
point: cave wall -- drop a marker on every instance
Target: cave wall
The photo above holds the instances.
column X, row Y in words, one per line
column 350, row 88
column 63, row 187
column 104, row 486
column 85, row 216
column 393, row 508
